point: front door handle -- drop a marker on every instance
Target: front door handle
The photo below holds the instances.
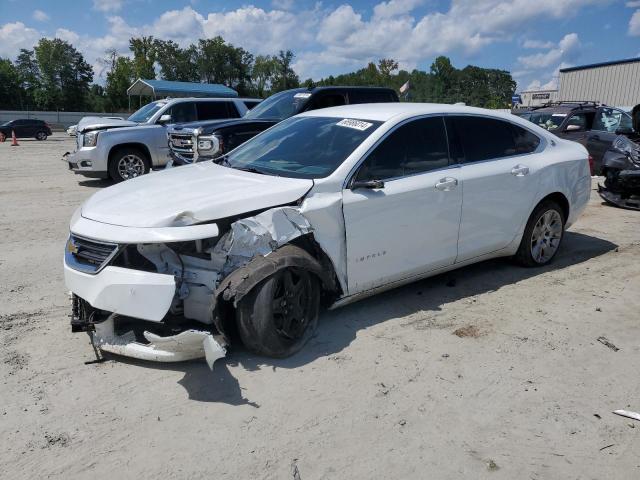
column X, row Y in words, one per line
column 520, row 171
column 446, row 184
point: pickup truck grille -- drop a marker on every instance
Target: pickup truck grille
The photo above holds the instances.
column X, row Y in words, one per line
column 88, row 256
column 181, row 144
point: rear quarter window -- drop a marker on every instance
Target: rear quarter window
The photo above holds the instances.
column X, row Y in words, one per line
column 526, row 142
column 370, row 97
column 481, row 138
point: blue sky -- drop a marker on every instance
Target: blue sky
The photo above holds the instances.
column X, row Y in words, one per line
column 530, row 38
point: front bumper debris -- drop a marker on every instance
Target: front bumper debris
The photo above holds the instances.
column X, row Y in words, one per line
column 630, row 202
column 189, row 344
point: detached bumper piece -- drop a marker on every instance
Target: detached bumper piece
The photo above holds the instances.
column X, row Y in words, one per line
column 630, row 202
column 126, row 336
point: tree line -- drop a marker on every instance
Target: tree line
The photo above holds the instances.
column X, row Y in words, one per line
column 55, row 76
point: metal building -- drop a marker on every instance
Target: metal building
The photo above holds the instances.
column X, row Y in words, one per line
column 537, row 98
column 614, row 83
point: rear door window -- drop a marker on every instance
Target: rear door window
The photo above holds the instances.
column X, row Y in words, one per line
column 415, row 147
column 326, row 100
column 216, row 110
column 183, row 112
column 611, row 119
column 481, row 138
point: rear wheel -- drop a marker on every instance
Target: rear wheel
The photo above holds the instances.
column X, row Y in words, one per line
column 542, row 235
column 128, row 163
column 280, row 314
column 41, row 135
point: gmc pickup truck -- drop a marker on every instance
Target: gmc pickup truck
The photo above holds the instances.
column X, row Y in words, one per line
column 200, row 141
column 123, row 149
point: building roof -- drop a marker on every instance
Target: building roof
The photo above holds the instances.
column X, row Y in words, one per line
column 166, row 88
column 603, row 64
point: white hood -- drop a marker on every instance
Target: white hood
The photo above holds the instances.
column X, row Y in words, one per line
column 192, row 194
column 99, row 123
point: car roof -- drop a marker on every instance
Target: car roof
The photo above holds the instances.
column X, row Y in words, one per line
column 384, row 112
column 205, row 99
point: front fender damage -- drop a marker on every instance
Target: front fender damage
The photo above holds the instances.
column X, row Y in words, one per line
column 248, row 252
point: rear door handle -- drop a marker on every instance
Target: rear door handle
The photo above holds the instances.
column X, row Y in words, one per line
column 446, row 184
column 520, row 170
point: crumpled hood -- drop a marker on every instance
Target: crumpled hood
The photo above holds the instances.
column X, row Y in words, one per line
column 99, row 123
column 192, row 194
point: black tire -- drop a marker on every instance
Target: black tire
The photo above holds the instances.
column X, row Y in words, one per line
column 525, row 254
column 262, row 316
column 41, row 135
column 128, row 155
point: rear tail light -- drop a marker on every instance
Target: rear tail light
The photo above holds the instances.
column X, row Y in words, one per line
column 591, row 165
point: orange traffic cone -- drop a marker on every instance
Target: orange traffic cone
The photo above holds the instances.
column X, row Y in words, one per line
column 14, row 140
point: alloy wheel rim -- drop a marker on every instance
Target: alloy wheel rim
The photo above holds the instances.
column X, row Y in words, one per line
column 41, row 136
column 130, row 166
column 291, row 304
column 546, row 236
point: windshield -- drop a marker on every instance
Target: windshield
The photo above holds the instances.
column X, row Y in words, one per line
column 145, row 113
column 280, row 106
column 550, row 121
column 302, row 147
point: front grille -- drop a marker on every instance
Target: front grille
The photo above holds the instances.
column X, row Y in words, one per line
column 89, row 256
column 181, row 144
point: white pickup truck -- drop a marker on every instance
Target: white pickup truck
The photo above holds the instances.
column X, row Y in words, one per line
column 124, row 149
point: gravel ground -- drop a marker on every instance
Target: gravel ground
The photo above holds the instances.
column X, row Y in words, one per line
column 492, row 371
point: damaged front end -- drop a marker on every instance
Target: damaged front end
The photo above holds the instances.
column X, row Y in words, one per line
column 159, row 301
column 621, row 168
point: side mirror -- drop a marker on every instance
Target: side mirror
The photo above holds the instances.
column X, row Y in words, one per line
column 573, row 128
column 370, row 184
column 166, row 118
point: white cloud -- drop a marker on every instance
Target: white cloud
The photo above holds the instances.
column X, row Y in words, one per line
column 634, row 4
column 537, row 44
column 14, row 36
column 567, row 49
column 634, row 24
column 40, row 16
column 329, row 40
column 108, row 5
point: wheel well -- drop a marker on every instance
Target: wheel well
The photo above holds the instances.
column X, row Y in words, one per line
column 330, row 283
column 138, row 146
column 561, row 200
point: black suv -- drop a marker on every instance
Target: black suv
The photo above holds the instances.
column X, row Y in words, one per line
column 198, row 141
column 593, row 125
column 27, row 128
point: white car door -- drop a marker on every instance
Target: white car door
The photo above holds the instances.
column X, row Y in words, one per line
column 410, row 225
column 499, row 171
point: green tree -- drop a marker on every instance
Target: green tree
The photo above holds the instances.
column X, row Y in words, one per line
column 119, row 79
column 263, row 73
column 144, row 56
column 179, row 64
column 285, row 77
column 29, row 76
column 64, row 76
column 10, row 91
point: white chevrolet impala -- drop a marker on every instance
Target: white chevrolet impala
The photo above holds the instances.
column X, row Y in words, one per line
column 320, row 210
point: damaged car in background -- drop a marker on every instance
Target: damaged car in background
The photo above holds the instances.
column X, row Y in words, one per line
column 621, row 168
column 323, row 209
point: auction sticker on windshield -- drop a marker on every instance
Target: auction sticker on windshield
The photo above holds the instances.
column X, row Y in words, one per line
column 357, row 124
column 302, row 95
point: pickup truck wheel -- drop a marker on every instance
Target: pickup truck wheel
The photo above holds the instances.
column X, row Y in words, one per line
column 542, row 235
column 280, row 314
column 128, row 163
column 41, row 135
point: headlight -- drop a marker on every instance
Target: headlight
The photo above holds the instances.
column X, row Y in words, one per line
column 90, row 139
column 208, row 146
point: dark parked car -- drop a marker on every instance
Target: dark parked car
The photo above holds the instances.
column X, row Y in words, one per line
column 593, row 125
column 621, row 168
column 199, row 141
column 30, row 128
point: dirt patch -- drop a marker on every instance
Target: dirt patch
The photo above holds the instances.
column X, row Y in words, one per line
column 468, row 331
column 56, row 440
column 15, row 361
